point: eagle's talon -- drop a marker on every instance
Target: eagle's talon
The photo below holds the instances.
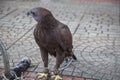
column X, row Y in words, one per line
column 41, row 76
column 56, row 72
column 46, row 70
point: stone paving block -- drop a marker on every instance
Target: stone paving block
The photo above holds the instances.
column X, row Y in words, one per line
column 32, row 68
column 70, row 68
column 86, row 75
column 1, row 65
column 92, row 71
column 73, row 26
column 109, row 77
column 39, row 70
column 77, row 65
column 39, row 67
column 68, row 73
column 6, row 10
column 77, row 74
column 88, row 58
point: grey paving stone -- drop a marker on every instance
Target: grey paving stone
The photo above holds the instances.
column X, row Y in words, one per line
column 109, row 77
column 39, row 70
column 86, row 75
column 69, row 73
column 77, row 74
column 1, row 65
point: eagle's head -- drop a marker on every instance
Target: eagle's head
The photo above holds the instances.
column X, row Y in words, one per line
column 39, row 14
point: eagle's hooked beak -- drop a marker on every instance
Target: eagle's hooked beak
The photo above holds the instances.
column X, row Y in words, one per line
column 28, row 13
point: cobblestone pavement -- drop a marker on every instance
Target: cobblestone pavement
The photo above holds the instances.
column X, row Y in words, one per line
column 96, row 35
column 32, row 76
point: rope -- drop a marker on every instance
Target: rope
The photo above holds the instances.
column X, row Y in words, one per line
column 67, row 64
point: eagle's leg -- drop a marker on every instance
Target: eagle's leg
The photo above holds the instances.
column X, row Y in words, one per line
column 44, row 55
column 59, row 59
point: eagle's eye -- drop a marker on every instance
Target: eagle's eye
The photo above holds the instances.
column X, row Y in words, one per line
column 33, row 13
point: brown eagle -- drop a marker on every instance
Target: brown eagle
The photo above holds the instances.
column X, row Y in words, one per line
column 52, row 37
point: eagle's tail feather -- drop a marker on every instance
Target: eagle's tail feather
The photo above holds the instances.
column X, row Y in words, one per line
column 74, row 57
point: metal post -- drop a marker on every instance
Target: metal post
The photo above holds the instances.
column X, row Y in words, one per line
column 5, row 60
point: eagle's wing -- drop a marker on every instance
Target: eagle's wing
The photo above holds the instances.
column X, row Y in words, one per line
column 64, row 38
